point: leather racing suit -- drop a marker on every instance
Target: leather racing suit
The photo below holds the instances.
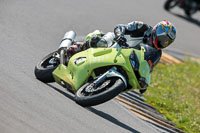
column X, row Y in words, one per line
column 138, row 29
column 135, row 30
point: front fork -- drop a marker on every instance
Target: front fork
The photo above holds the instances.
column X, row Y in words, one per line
column 110, row 73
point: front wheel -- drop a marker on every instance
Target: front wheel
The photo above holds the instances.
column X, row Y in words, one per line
column 189, row 12
column 169, row 4
column 43, row 70
column 90, row 95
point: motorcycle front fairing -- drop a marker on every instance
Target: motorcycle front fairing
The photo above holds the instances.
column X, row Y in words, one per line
column 81, row 66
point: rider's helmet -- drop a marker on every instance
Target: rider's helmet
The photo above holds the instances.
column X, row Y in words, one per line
column 164, row 33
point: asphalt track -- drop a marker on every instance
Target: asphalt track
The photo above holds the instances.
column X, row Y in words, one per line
column 31, row 29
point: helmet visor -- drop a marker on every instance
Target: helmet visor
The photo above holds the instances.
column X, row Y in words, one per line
column 163, row 41
column 162, row 37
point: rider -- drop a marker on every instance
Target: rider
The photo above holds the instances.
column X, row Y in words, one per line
column 192, row 3
column 154, row 39
column 158, row 38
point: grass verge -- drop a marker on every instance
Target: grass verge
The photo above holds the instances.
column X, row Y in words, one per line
column 175, row 92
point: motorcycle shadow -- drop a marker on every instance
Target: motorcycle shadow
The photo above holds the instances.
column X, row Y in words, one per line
column 189, row 19
column 95, row 111
column 111, row 119
column 66, row 94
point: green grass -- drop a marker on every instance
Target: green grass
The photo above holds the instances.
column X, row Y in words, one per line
column 175, row 92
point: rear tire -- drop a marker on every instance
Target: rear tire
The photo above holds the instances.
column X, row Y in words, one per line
column 113, row 88
column 43, row 70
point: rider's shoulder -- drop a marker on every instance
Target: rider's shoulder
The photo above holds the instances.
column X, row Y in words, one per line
column 135, row 25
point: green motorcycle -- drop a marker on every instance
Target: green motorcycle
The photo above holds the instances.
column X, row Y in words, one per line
column 95, row 75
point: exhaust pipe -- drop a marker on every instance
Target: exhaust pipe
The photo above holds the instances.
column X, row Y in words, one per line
column 67, row 40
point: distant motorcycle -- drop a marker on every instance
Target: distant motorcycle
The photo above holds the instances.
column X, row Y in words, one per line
column 189, row 7
column 95, row 75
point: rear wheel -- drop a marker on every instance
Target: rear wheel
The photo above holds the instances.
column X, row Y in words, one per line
column 169, row 4
column 43, row 70
column 90, row 95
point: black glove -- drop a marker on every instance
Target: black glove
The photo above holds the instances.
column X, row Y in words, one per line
column 120, row 39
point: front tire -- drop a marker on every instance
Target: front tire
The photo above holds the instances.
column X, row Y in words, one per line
column 43, row 70
column 189, row 12
column 169, row 4
column 111, row 88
